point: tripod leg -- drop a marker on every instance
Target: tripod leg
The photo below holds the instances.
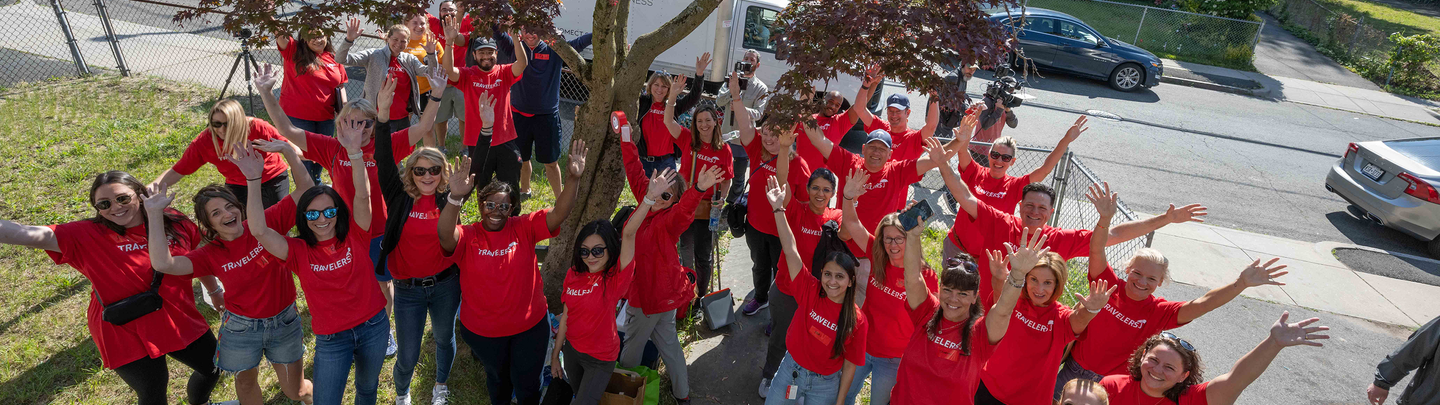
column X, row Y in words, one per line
column 249, row 88
column 230, row 77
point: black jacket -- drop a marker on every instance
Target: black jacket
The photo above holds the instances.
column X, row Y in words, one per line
column 398, row 203
column 682, row 104
column 1417, row 354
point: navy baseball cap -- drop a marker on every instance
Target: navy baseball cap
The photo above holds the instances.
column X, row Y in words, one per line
column 482, row 42
column 879, row 135
column 898, row 100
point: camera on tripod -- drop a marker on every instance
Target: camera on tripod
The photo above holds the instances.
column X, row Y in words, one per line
column 244, row 34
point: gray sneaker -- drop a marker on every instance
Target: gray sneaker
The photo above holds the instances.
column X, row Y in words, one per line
column 392, row 348
column 764, row 387
column 440, row 395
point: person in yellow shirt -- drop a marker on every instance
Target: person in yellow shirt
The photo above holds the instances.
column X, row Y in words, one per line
column 419, row 34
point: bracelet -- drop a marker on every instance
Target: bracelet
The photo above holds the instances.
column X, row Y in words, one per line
column 850, row 199
column 220, row 290
column 781, row 209
column 451, row 198
column 254, row 179
column 357, row 155
column 1096, row 311
column 435, row 99
column 649, row 201
column 1013, row 283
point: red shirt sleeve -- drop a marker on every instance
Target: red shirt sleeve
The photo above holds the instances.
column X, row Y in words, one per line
column 281, row 216
column 322, row 149
column 507, row 74
column 200, row 264
column 194, row 156
column 536, row 228
column 921, row 315
column 1169, row 314
column 727, row 160
column 1066, row 333
column 634, row 171
column 400, row 145
column 841, row 162
column 799, row 176
column 1070, row 243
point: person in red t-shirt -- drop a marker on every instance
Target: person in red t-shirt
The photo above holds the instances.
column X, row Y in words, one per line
column 1035, row 339
column 1083, row 392
column 908, row 143
column 260, row 318
column 664, row 91
column 503, row 307
column 701, row 148
column 587, row 332
column 500, row 153
column 313, row 86
column 452, row 102
column 390, row 62
column 828, row 343
column 1167, row 369
column 216, row 145
column 347, row 308
column 888, row 181
column 109, row 250
column 990, row 183
column 836, row 120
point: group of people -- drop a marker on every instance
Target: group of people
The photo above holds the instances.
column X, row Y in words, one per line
column 849, row 292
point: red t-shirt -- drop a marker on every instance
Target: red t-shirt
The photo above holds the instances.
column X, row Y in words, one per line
column 658, row 141
column 811, row 336
column 329, row 154
column 660, row 282
column 590, row 300
column 1003, row 193
column 905, row 144
column 499, row 276
column 886, row 306
column 834, row 128
column 758, row 212
column 934, row 370
column 496, row 82
column 257, row 284
column 1122, row 327
column 418, row 253
column 805, row 225
column 402, row 89
column 310, row 96
column 202, row 151
column 1124, row 390
column 702, row 160
column 338, row 280
column 990, row 229
column 885, row 191
column 1029, row 356
column 118, row 266
column 437, row 28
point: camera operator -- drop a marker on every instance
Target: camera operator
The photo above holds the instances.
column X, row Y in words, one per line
column 753, row 94
column 998, row 105
column 949, row 119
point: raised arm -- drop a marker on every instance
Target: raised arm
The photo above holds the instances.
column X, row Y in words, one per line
column 167, row 179
column 38, row 237
column 692, row 95
column 264, row 82
column 522, row 58
column 391, row 184
column 849, row 218
column 251, row 166
column 423, row 130
column 916, row 292
column 160, row 258
column 817, row 138
column 635, row 175
column 1254, row 275
column 743, row 122
column 461, row 182
column 775, row 193
column 662, row 181
column 960, row 144
column 858, row 110
column 1054, row 158
column 1106, row 204
column 302, row 179
column 670, row 124
column 1134, row 229
column 1021, row 260
column 1087, row 306
column 342, row 51
column 958, row 189
column 932, row 119
column 351, row 134
column 447, row 61
column 565, row 202
column 1420, row 347
column 1225, row 389
column 935, row 156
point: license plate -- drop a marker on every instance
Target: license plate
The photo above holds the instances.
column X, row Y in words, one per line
column 1372, row 171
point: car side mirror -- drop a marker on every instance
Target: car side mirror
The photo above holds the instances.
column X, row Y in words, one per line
column 1101, row 44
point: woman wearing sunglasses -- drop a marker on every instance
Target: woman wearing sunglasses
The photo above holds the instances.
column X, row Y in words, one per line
column 259, row 316
column 503, row 303
column 313, row 84
column 425, row 280
column 1166, row 369
column 660, row 143
column 601, row 273
column 346, row 307
column 217, row 145
column 990, row 183
column 109, row 249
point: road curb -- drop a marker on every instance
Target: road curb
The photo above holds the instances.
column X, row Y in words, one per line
column 1213, row 86
column 1328, row 246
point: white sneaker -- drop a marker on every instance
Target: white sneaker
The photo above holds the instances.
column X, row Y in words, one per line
column 402, row 399
column 390, row 350
column 764, row 387
column 440, row 395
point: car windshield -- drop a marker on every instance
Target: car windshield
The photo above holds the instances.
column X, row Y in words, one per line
column 1426, row 151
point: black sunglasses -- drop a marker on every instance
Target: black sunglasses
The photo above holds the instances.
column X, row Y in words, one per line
column 596, row 251
column 1000, row 157
column 313, row 215
column 218, row 124
column 433, row 170
column 1183, row 343
column 491, row 205
column 666, row 196
column 122, row 199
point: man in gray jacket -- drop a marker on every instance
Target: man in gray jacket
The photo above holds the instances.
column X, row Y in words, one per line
column 1418, row 353
column 391, row 60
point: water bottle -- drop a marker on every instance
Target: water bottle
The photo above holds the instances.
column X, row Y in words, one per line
column 716, row 207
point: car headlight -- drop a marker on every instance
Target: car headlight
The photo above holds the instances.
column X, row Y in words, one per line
column 1155, row 64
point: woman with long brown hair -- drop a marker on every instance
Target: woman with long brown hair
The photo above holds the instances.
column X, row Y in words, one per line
column 313, row 85
column 230, row 129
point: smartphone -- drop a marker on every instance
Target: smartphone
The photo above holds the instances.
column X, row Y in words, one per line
column 916, row 215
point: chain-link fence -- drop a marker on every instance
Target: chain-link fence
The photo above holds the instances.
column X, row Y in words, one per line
column 1352, row 41
column 1168, row 33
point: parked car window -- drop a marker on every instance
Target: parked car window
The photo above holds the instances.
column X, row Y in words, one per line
column 1078, row 32
column 1041, row 25
column 760, row 29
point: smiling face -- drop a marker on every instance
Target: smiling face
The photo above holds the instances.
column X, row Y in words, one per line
column 484, row 58
column 219, row 118
column 894, row 240
column 447, row 9
column 495, row 210
column 955, row 303
column 876, row 154
column 1000, row 166
column 398, row 38
column 594, row 263
column 835, row 281
column 530, row 40
column 770, row 140
column 357, row 115
column 1035, row 210
column 226, row 219
column 427, row 183
column 1142, row 278
column 833, row 101
column 126, row 214
column 659, row 89
column 820, row 191
column 1160, row 369
column 897, row 118
column 317, row 44
column 323, row 228
column 1040, row 285
column 705, row 125
column 417, row 25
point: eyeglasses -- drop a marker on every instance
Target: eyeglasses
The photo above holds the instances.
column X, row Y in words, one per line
column 666, row 196
column 491, row 205
column 597, row 251
column 369, row 123
column 313, row 215
column 1183, row 343
column 218, row 124
column 122, row 199
column 1000, row 157
column 895, row 241
column 433, row 170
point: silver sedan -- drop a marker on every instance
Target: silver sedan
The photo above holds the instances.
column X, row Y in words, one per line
column 1394, row 183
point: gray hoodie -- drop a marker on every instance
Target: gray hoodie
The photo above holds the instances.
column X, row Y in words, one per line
column 377, row 61
column 1419, row 354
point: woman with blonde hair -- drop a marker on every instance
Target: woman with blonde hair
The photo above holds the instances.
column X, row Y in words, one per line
column 391, row 62
column 659, row 149
column 230, row 129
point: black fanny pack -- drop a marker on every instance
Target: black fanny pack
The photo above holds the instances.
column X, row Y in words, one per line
column 135, row 306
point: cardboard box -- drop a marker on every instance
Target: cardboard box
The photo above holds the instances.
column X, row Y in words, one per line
column 625, row 388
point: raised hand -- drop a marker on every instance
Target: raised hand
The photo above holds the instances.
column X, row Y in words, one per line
column 1075, row 130
column 855, row 183
column 625, row 133
column 775, row 193
column 1188, row 213
column 812, row 131
column 1300, row 333
column 873, row 76
column 272, row 145
column 1027, row 255
column 249, row 162
column 997, row 264
column 660, row 183
column 700, row 64
column 1106, row 202
column 159, row 198
column 438, row 79
column 386, row 98
column 786, row 139
column 966, row 130
column 1257, row 274
column 734, row 83
column 578, row 151
column 709, row 177
column 1100, row 291
column 351, row 134
column 431, row 45
column 680, row 81
column 937, row 153
column 452, row 29
column 461, row 180
column 352, row 30
column 487, row 109
column 265, row 78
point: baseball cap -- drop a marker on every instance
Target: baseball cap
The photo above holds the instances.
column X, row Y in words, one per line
column 879, row 135
column 482, row 42
column 898, row 100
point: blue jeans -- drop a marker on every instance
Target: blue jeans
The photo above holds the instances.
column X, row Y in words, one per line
column 244, row 340
column 667, row 162
column 442, row 302
column 815, row 389
column 882, row 372
column 326, row 128
column 364, row 347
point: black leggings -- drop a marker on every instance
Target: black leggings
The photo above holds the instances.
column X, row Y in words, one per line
column 764, row 254
column 500, row 162
column 270, row 191
column 983, row 397
column 149, row 377
column 512, row 363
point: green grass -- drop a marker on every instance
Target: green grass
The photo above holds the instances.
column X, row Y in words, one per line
column 1386, row 18
column 1169, row 35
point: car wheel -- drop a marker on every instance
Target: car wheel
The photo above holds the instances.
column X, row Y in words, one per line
column 1434, row 247
column 1127, row 77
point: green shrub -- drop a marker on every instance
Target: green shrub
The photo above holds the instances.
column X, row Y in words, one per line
column 1410, row 57
column 1237, row 9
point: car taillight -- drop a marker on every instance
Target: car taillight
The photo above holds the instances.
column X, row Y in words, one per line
column 1419, row 188
column 1352, row 149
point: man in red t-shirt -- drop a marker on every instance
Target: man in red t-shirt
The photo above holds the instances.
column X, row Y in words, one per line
column 835, row 121
column 501, row 154
column 888, row 181
column 909, row 143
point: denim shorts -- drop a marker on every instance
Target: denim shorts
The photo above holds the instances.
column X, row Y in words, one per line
column 243, row 340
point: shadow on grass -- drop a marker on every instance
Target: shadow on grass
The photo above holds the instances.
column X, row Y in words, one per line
column 61, row 295
column 64, row 369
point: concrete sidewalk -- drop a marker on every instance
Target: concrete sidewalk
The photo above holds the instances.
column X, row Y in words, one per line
column 1358, row 100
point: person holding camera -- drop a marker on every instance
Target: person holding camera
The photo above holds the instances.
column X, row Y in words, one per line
column 1417, row 354
column 998, row 105
column 753, row 94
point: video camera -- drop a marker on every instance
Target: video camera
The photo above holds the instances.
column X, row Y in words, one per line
column 742, row 69
column 244, row 34
column 1001, row 91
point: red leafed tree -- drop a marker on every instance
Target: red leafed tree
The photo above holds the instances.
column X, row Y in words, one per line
column 910, row 39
